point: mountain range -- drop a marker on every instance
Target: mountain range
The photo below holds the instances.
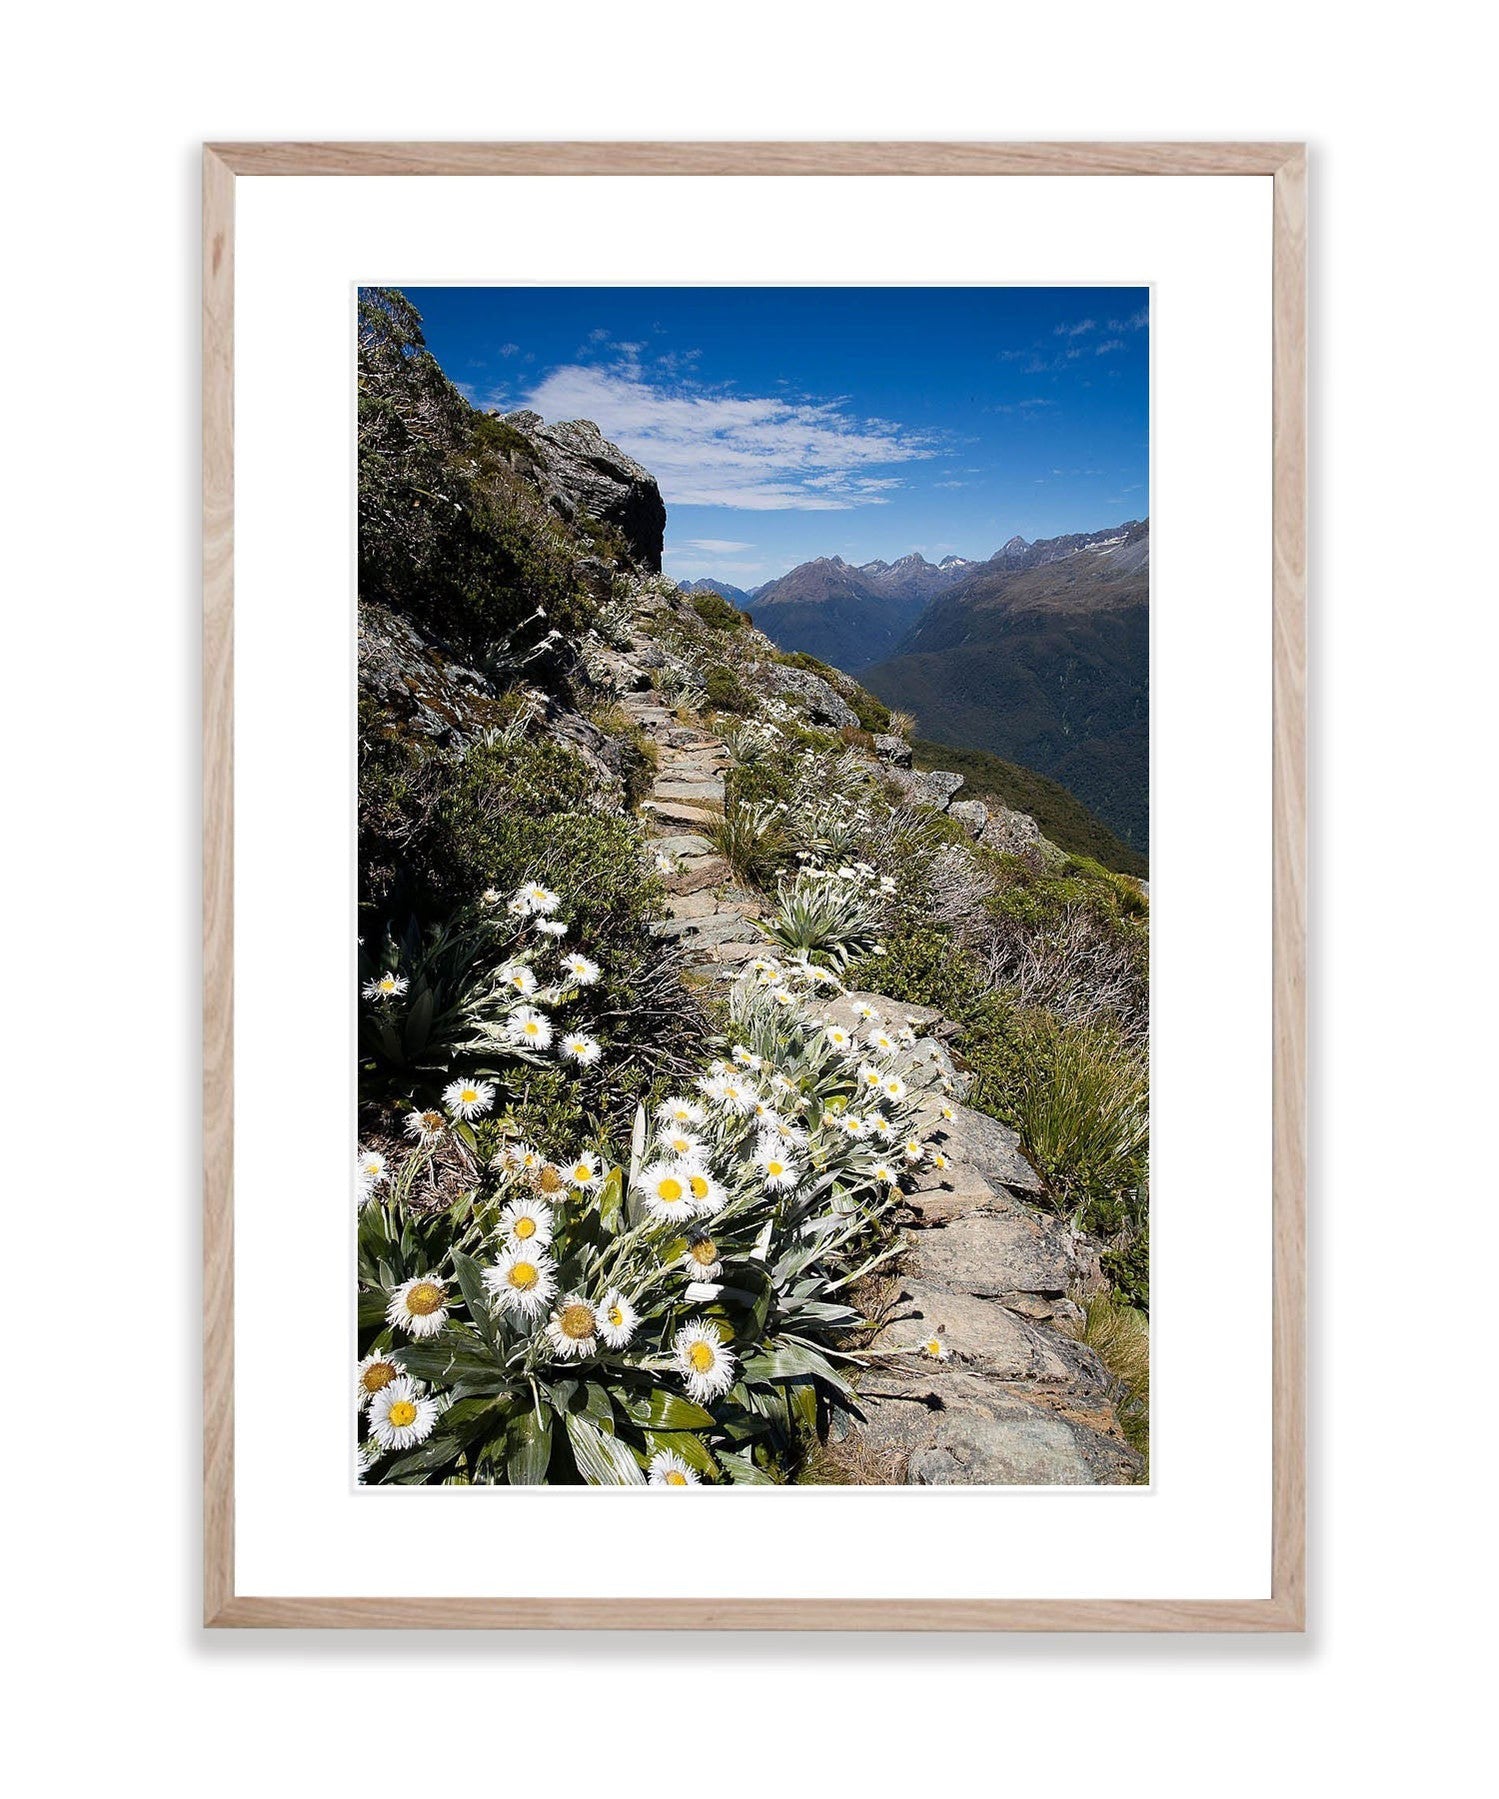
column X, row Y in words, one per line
column 1039, row 654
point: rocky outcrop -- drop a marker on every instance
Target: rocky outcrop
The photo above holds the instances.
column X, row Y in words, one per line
column 580, row 473
column 819, row 699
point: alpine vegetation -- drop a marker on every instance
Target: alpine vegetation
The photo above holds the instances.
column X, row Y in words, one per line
column 737, row 1104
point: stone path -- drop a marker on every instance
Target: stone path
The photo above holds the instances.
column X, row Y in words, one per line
column 710, row 914
column 1015, row 1400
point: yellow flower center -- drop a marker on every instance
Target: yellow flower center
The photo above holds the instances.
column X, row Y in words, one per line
column 616, row 1318
column 402, row 1413
column 468, row 1095
column 550, row 1179
column 775, row 1168
column 531, row 1027
column 669, row 1189
column 699, row 1187
column 424, row 1299
column 701, row 1356
column 524, row 1276
column 675, row 1478
column 387, row 984
column 377, row 1375
column 525, row 1227
column 582, row 1172
column 704, row 1252
column 576, row 1321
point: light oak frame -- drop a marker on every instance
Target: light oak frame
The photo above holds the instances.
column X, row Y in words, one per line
column 1285, row 163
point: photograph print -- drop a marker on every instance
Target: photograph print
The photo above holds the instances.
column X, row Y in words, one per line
column 753, row 887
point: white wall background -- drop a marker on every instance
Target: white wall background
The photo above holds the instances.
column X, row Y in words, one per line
column 104, row 110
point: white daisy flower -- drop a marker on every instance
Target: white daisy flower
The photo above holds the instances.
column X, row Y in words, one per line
column 870, row 1077
column 517, row 908
column 864, row 1010
column 853, row 1126
column 894, row 1086
column 783, row 996
column 701, row 1357
column 881, row 1127
column 667, row 1469
column 580, row 1049
column 369, row 1168
column 679, row 1143
column 838, row 1038
column 529, row 1027
column 419, row 1307
column 374, row 1373
column 666, row 1188
column 400, row 1417
column 882, row 1042
column 940, row 1161
column 385, row 986
column 584, row 972
column 551, row 927
column 782, row 1084
column 522, row 1281
column 584, row 1171
column 791, row 1134
column 707, row 1194
column 682, row 1112
column 948, row 1111
column 617, row 1319
column 539, row 898
column 573, row 1328
column 490, row 897
column 936, row 1349
column 746, row 1058
column 527, row 1224
column 884, row 1174
column 914, row 1150
column 517, row 976
column 425, row 1126
column 905, row 1035
column 776, row 1166
column 701, row 1260
column 469, row 1099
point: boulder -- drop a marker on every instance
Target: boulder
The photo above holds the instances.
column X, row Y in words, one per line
column 982, row 1147
column 1008, row 831
column 821, row 702
column 1012, row 1249
column 928, row 786
column 580, row 472
column 894, row 750
column 973, row 815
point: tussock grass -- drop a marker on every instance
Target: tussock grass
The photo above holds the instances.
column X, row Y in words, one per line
column 1082, row 1105
column 1120, row 1337
column 749, row 836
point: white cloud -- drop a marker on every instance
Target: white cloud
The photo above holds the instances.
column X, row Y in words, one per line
column 1078, row 330
column 713, row 449
column 1114, row 343
column 718, row 546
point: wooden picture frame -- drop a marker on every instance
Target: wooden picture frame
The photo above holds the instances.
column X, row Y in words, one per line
column 1285, row 163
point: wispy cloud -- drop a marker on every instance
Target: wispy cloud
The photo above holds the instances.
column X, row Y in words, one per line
column 711, row 448
column 1080, row 329
column 1113, row 343
column 717, row 546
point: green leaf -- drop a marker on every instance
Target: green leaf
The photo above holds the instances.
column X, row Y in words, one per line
column 454, row 1354
column 602, row 1460
column 435, row 1453
column 743, row 1472
column 471, row 1280
column 666, row 1411
column 692, row 1449
column 418, row 1023
column 789, row 1361
column 611, row 1202
column 528, row 1448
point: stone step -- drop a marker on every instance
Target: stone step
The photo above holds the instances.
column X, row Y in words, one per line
column 706, row 792
column 694, row 933
column 683, row 844
column 941, row 1426
column 980, row 1334
column 704, row 903
column 679, row 812
column 698, row 872
column 991, row 1254
column 736, row 951
column 980, row 1146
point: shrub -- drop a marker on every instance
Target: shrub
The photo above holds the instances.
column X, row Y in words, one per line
column 725, row 691
column 716, row 612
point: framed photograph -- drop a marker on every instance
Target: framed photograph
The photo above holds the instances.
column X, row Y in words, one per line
column 754, row 809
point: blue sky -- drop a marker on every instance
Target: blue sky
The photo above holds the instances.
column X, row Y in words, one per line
column 788, row 423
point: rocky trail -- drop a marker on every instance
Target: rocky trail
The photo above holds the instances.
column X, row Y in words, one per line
column 985, row 1270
